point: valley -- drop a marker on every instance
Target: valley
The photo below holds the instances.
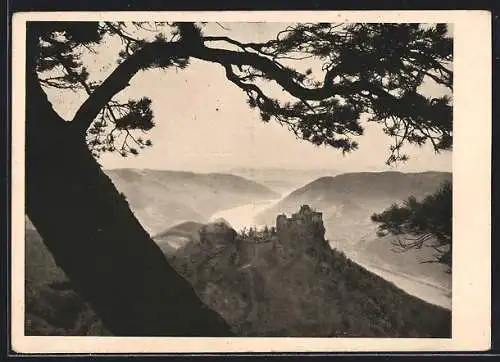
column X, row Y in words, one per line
column 425, row 281
column 161, row 199
column 175, row 206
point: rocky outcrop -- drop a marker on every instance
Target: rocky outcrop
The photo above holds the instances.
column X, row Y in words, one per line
column 294, row 284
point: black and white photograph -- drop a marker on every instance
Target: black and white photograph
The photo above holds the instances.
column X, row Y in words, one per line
column 242, row 178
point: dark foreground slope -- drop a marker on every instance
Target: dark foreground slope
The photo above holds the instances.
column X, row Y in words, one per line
column 52, row 307
column 287, row 284
column 293, row 284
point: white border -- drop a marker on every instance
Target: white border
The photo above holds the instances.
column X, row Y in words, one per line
column 471, row 174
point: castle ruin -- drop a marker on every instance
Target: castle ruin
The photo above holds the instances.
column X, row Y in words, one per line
column 305, row 216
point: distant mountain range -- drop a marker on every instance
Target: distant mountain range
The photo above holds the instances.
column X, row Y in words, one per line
column 161, row 199
column 281, row 179
column 348, row 200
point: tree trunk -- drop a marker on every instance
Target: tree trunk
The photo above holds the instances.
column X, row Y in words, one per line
column 94, row 237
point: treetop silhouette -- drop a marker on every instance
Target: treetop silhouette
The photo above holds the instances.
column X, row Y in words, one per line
column 366, row 68
column 425, row 223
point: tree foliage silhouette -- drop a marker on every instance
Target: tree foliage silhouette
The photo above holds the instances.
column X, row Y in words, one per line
column 368, row 68
column 87, row 225
column 421, row 223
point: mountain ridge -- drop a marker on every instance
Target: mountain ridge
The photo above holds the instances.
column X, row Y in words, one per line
column 324, row 180
column 163, row 198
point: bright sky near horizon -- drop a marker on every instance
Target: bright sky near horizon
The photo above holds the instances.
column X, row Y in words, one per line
column 204, row 124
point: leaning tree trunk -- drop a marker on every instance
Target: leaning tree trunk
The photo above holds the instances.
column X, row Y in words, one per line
column 94, row 237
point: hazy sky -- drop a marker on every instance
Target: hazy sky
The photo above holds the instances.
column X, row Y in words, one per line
column 204, row 124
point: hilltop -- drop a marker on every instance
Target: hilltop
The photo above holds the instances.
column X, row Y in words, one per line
column 287, row 281
column 347, row 202
column 178, row 236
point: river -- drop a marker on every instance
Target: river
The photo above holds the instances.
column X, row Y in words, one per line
column 244, row 216
column 419, row 287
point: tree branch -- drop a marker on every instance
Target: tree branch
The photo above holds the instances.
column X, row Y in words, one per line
column 151, row 52
column 271, row 69
column 120, row 78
